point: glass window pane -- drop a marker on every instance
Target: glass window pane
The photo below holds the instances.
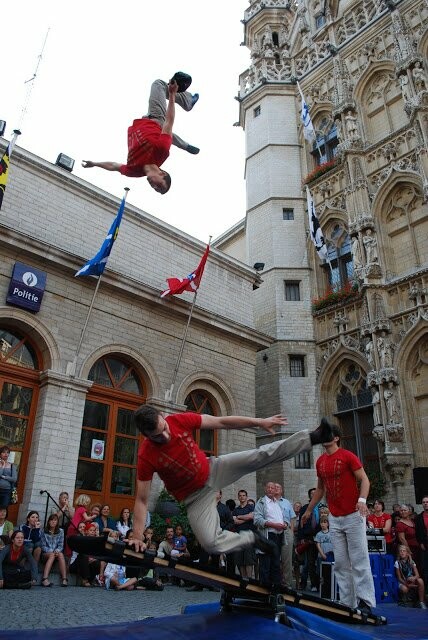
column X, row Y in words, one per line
column 86, row 443
column 206, row 441
column 99, row 374
column 123, row 481
column 132, row 385
column 125, row 423
column 96, row 415
column 25, row 356
column 125, row 450
column 16, row 399
column 89, row 476
column 12, row 431
column 117, row 368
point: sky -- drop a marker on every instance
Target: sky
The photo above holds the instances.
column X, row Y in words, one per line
column 99, row 60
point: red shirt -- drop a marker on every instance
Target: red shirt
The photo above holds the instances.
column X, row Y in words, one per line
column 146, row 145
column 409, row 534
column 180, row 463
column 337, row 473
column 379, row 523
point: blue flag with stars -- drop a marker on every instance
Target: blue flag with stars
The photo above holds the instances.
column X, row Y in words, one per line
column 96, row 265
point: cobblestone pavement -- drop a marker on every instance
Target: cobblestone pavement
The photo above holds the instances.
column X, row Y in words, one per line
column 39, row 608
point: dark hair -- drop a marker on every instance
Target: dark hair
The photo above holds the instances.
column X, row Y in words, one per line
column 53, row 516
column 14, row 534
column 381, row 502
column 242, row 491
column 121, row 516
column 7, row 512
column 31, row 513
column 146, row 418
column 167, row 179
column 336, row 431
column 231, row 504
column 310, row 491
column 4, row 448
column 128, row 532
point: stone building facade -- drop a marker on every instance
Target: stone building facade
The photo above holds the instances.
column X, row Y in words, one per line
column 66, row 412
column 350, row 335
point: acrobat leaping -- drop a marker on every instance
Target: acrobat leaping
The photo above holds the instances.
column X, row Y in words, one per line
column 150, row 137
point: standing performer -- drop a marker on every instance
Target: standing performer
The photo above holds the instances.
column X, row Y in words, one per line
column 150, row 137
column 170, row 450
column 338, row 472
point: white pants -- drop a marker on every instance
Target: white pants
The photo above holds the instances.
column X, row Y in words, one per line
column 287, row 558
column 351, row 559
column 202, row 507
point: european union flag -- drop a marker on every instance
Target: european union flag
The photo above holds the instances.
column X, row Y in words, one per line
column 97, row 264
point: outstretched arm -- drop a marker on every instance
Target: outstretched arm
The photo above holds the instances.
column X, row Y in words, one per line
column 107, row 164
column 140, row 513
column 170, row 110
column 240, row 422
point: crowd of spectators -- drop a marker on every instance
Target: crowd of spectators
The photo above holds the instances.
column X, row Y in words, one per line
column 29, row 552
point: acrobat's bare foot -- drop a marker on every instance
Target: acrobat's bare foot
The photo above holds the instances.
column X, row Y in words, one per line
column 87, row 164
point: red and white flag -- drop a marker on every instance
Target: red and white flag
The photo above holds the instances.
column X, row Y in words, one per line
column 190, row 283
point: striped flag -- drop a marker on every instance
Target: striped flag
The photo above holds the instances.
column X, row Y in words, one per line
column 315, row 229
column 4, row 165
column 96, row 265
column 190, row 283
column 308, row 127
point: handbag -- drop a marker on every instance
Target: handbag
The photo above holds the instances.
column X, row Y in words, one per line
column 14, row 496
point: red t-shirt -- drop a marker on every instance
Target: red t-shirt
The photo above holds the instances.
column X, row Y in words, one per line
column 409, row 534
column 146, row 145
column 379, row 523
column 180, row 463
column 337, row 473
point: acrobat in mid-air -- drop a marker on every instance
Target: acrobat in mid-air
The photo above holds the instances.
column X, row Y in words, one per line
column 150, row 137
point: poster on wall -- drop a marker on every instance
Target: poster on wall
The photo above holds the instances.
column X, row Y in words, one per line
column 97, row 450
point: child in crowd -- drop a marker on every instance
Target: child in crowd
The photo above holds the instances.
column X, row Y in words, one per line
column 323, row 542
column 408, row 577
column 180, row 542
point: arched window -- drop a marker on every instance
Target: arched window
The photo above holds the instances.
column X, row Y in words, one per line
column 383, row 106
column 199, row 401
column 109, row 441
column 19, row 376
column 355, row 415
column 341, row 270
column 406, row 223
column 326, row 141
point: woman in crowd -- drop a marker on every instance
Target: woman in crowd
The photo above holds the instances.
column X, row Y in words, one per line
column 406, row 535
column 6, row 527
column 65, row 511
column 408, row 577
column 124, row 524
column 105, row 523
column 52, row 540
column 31, row 531
column 14, row 561
column 381, row 520
column 8, row 476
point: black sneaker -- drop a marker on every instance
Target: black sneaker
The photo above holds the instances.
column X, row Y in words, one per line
column 191, row 149
column 323, row 433
column 364, row 608
column 183, row 80
column 265, row 545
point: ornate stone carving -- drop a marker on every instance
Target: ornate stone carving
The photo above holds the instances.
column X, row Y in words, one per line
column 369, row 351
column 377, row 412
column 419, row 77
column 392, row 404
column 379, row 433
column 370, row 246
column 395, row 432
column 387, row 375
column 396, row 464
column 385, row 350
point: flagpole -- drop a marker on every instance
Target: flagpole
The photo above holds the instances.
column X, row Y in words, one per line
column 30, row 82
column 168, row 394
column 71, row 367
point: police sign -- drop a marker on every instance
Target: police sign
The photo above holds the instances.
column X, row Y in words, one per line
column 26, row 287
